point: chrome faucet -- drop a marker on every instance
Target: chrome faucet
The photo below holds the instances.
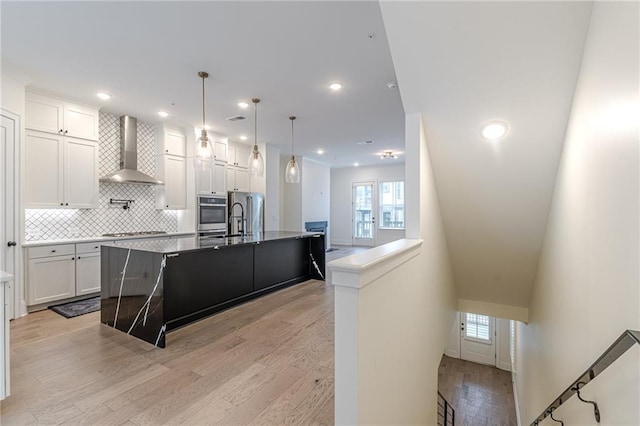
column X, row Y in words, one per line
column 241, row 222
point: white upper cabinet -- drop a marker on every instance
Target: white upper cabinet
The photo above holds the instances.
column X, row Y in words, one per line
column 172, row 170
column 238, row 156
column 60, row 171
column 220, row 150
column 171, row 141
column 53, row 115
column 211, row 178
column 43, row 172
column 237, row 179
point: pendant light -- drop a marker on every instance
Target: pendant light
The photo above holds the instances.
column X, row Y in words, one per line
column 256, row 163
column 204, row 147
column 292, row 173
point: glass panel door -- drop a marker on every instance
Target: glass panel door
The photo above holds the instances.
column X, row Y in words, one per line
column 364, row 202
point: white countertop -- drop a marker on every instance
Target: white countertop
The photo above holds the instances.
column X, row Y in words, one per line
column 98, row 239
column 5, row 276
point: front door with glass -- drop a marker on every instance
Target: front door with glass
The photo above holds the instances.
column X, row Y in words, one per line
column 363, row 213
column 477, row 338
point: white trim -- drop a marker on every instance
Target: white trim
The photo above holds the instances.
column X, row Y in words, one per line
column 496, row 310
column 341, row 242
column 359, row 270
column 515, row 398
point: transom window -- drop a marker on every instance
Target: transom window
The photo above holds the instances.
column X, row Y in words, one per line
column 392, row 205
column 478, row 327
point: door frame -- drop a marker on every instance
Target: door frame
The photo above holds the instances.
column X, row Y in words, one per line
column 368, row 242
column 12, row 169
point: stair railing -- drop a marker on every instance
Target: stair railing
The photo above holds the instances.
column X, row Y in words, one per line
column 615, row 351
column 446, row 413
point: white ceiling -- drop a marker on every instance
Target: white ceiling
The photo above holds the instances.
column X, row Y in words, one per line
column 462, row 64
column 147, row 55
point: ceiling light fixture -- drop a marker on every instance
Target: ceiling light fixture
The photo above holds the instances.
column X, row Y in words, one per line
column 335, row 86
column 204, row 149
column 388, row 154
column 103, row 95
column 320, row 151
column 356, row 164
column 494, row 130
column 256, row 163
column 292, row 173
column 243, row 138
column 163, row 114
column 243, row 105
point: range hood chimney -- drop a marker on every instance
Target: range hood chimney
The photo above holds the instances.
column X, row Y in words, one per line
column 128, row 172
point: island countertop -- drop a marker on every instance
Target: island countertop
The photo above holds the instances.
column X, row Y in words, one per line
column 185, row 244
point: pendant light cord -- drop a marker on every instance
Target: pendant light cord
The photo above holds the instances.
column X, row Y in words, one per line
column 203, row 77
column 292, row 118
column 255, row 124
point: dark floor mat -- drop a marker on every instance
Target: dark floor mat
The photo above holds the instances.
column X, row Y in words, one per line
column 77, row 308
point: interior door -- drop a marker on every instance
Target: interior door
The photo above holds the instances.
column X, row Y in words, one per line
column 9, row 129
column 363, row 204
column 477, row 338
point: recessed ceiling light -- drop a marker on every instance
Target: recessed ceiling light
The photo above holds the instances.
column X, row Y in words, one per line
column 320, row 151
column 103, row 95
column 335, row 86
column 356, row 164
column 163, row 114
column 243, row 138
column 494, row 130
column 243, row 105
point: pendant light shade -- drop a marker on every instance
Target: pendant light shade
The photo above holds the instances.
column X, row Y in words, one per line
column 292, row 172
column 256, row 162
column 204, row 147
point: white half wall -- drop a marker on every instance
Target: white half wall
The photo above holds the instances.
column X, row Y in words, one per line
column 341, row 183
column 587, row 288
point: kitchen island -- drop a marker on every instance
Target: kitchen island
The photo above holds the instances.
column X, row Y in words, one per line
column 149, row 288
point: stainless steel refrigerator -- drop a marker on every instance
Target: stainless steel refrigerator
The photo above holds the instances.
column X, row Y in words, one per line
column 251, row 204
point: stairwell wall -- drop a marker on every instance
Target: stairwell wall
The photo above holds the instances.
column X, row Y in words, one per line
column 587, row 289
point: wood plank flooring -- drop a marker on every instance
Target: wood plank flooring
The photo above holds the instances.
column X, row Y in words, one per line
column 480, row 394
column 269, row 361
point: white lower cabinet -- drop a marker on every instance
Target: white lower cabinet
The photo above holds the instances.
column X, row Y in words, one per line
column 51, row 278
column 57, row 272
column 87, row 268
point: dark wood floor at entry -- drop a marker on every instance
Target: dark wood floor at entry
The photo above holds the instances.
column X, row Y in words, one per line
column 480, row 394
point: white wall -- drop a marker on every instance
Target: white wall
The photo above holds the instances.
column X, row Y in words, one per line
column 341, row 182
column 424, row 220
column 272, row 189
column 587, row 289
column 308, row 200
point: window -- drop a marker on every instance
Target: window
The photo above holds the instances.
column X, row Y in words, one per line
column 478, row 327
column 392, row 205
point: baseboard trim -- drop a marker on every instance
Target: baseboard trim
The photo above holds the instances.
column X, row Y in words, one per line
column 341, row 242
column 515, row 398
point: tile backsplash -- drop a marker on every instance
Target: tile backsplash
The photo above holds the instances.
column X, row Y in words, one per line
column 60, row 224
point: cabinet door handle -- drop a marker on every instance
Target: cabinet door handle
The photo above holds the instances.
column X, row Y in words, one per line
column 62, row 204
column 11, row 244
column 66, row 204
column 60, row 131
column 73, row 258
column 65, row 132
column 53, row 251
column 96, row 247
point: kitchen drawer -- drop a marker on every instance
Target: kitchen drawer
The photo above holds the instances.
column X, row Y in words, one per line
column 53, row 250
column 88, row 248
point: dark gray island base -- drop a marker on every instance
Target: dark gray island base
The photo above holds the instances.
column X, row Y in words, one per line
column 152, row 287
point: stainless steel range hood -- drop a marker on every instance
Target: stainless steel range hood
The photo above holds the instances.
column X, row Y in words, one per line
column 128, row 172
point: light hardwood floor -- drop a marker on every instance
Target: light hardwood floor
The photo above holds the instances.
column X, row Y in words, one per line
column 269, row 361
